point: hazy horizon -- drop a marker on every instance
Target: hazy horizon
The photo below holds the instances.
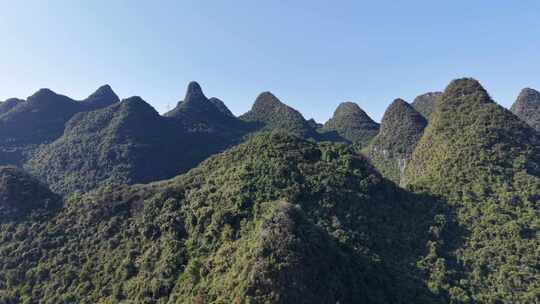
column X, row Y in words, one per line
column 312, row 56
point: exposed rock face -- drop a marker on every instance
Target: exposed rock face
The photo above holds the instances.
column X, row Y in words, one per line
column 352, row 124
column 221, row 106
column 425, row 103
column 22, row 195
column 527, row 107
column 271, row 114
column 401, row 128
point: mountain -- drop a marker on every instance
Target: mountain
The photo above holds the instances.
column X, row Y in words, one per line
column 401, row 128
column 484, row 164
column 527, row 107
column 9, row 104
column 129, row 142
column 352, row 124
column 103, row 97
column 40, row 119
column 314, row 124
column 277, row 219
column 425, row 103
column 269, row 113
column 22, row 195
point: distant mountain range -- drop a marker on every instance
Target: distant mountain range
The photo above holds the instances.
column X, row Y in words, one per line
column 107, row 201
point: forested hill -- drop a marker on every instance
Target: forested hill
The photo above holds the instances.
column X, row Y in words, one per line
column 40, row 119
column 200, row 206
column 485, row 164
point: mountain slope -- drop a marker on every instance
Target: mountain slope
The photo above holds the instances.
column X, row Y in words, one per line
column 269, row 113
column 352, row 123
column 129, row 142
column 9, row 104
column 425, row 103
column 401, row 128
column 484, row 163
column 198, row 113
column 276, row 219
column 22, row 195
column 527, row 107
column 40, row 119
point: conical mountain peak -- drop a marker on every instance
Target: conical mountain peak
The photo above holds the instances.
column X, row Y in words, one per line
column 527, row 107
column 197, row 111
column 464, row 91
column 269, row 112
column 398, row 116
column 426, row 102
column 352, row 123
column 137, row 104
column 265, row 101
column 401, row 128
column 350, row 108
column 42, row 94
column 194, row 93
column 104, row 96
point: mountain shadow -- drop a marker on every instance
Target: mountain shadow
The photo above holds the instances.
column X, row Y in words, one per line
column 26, row 124
column 129, row 142
column 485, row 164
column 275, row 219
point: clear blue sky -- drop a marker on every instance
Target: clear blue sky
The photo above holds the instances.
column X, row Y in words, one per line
column 311, row 54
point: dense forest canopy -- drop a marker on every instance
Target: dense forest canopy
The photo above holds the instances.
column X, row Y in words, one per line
column 107, row 201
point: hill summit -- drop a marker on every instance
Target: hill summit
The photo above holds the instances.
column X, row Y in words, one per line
column 527, row 107
column 269, row 113
column 425, row 103
column 26, row 124
column 484, row 163
column 352, row 124
column 401, row 128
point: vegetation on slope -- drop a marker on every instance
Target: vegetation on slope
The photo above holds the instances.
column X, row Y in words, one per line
column 269, row 113
column 425, row 103
column 485, row 164
column 274, row 220
column 352, row 124
column 527, row 107
column 128, row 142
column 22, row 195
column 390, row 150
column 198, row 113
column 40, row 119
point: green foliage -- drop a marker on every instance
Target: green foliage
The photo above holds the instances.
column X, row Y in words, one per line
column 425, row 103
column 22, row 195
column 126, row 143
column 276, row 219
column 24, row 125
column 352, row 124
column 485, row 164
column 270, row 114
column 390, row 150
